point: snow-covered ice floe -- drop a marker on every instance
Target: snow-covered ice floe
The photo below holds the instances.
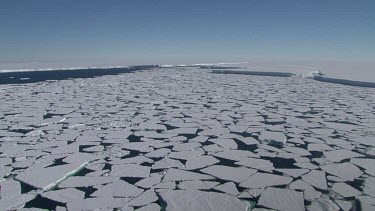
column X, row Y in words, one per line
column 182, row 138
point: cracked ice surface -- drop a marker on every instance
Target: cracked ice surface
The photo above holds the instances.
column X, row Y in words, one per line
column 179, row 137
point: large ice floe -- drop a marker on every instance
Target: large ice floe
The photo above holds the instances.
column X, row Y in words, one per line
column 183, row 138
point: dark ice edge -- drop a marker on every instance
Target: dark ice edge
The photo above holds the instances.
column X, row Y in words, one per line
column 285, row 74
column 62, row 74
column 344, row 81
column 247, row 72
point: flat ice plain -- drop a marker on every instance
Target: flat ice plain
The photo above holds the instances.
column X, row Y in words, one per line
column 183, row 138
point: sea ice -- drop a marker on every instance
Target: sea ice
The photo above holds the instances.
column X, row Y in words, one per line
column 235, row 174
column 9, row 188
column 282, row 199
column 200, row 162
column 367, row 140
column 260, row 164
column 182, row 131
column 235, row 155
column 97, row 203
column 181, row 200
column 229, row 188
column 83, row 181
column 145, row 198
column 186, row 155
column 165, row 185
column 158, row 153
column 64, row 195
column 167, row 163
column 345, row 171
column 197, row 185
column 323, row 204
column 225, row 143
column 339, row 155
column 149, row 181
column 300, row 185
column 149, row 207
column 41, row 176
column 130, row 170
column 118, row 188
column 293, row 172
column 262, row 180
column 345, row 190
column 181, row 175
column 316, row 178
column 276, row 138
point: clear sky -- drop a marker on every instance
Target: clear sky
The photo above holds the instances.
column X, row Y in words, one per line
column 46, row 33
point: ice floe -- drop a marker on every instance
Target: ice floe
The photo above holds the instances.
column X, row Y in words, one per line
column 235, row 174
column 282, row 199
column 262, row 180
column 198, row 200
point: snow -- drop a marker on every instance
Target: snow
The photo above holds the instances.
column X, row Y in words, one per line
column 262, row 180
column 200, row 162
column 368, row 140
column 316, row 178
column 64, row 195
column 184, row 200
column 293, row 172
column 276, row 138
column 282, row 199
column 235, row 174
column 345, row 171
column 149, row 207
column 365, row 163
column 181, row 175
column 323, row 204
column 300, row 185
column 345, row 190
column 186, row 155
column 130, row 170
column 118, row 188
column 225, row 143
column 197, row 185
column 9, row 189
column 167, row 163
column 260, row 164
column 97, row 203
column 229, row 188
column 81, row 181
column 235, row 155
column 145, row 198
column 339, row 155
column 41, row 176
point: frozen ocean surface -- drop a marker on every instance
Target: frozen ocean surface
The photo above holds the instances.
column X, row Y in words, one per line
column 183, row 138
column 355, row 77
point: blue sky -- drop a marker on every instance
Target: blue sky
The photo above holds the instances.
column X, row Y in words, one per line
column 113, row 32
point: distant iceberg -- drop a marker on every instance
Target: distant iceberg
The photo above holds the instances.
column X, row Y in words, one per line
column 248, row 72
column 344, row 81
column 315, row 75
